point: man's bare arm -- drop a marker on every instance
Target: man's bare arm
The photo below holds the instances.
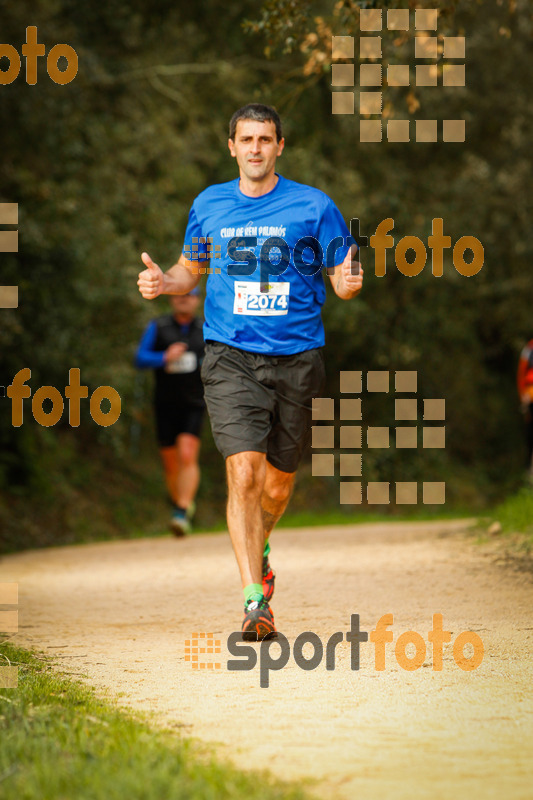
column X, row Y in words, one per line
column 179, row 279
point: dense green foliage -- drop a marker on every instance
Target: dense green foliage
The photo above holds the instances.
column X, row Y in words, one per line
column 108, row 165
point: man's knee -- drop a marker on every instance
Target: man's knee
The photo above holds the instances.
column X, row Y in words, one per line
column 187, row 447
column 279, row 493
column 278, row 486
column 246, row 473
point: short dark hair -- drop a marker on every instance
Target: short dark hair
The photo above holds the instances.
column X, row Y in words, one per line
column 259, row 113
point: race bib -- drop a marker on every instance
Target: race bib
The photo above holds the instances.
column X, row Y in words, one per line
column 250, row 300
column 187, row 363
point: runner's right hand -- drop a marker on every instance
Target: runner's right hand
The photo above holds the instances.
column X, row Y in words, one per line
column 150, row 281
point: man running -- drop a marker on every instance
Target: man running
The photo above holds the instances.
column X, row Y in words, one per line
column 173, row 346
column 264, row 337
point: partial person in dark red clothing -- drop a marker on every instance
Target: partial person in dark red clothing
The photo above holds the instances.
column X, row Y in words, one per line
column 525, row 390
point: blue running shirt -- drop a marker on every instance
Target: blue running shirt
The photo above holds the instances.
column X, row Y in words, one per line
column 275, row 314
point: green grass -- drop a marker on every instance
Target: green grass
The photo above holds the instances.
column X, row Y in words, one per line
column 309, row 519
column 60, row 742
column 515, row 515
column 315, row 518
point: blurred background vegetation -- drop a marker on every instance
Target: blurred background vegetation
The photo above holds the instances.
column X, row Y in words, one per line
column 108, row 166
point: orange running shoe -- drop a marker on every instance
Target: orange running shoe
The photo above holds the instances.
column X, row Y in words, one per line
column 258, row 621
column 269, row 578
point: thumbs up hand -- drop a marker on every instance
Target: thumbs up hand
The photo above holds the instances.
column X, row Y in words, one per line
column 352, row 271
column 348, row 278
column 151, row 279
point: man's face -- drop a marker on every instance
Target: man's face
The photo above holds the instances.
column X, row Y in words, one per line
column 184, row 304
column 256, row 148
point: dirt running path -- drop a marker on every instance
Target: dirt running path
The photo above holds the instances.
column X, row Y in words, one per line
column 120, row 614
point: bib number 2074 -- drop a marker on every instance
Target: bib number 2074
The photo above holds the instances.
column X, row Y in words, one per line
column 251, row 301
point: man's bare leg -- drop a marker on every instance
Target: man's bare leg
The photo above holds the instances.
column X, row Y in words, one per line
column 275, row 497
column 188, row 472
column 246, row 481
column 246, row 473
column 182, row 475
column 170, row 465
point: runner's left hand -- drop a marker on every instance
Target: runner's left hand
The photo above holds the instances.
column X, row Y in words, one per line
column 351, row 278
column 174, row 352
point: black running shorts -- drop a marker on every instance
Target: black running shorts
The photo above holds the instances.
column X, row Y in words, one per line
column 262, row 403
column 171, row 419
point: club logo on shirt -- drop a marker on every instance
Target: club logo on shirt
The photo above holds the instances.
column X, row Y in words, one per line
column 254, row 230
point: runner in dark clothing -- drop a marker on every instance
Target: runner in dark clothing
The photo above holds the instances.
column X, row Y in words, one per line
column 173, row 346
